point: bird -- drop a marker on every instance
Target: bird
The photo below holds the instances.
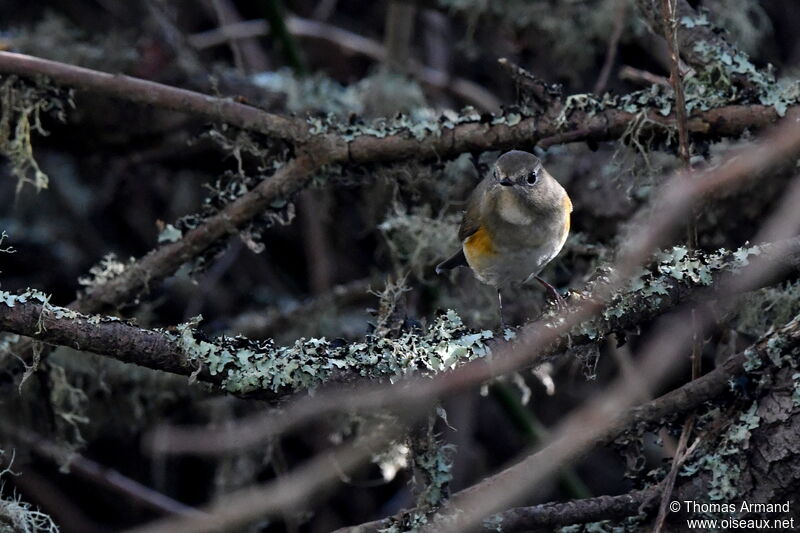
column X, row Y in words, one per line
column 516, row 221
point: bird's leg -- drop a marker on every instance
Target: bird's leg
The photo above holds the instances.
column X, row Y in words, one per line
column 500, row 310
column 560, row 303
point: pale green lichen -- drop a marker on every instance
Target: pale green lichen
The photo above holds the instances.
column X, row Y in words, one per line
column 648, row 286
column 169, row 234
column 434, row 465
column 248, row 366
column 418, row 240
column 18, row 516
column 725, row 460
column 760, row 310
column 22, row 106
column 107, row 269
column 796, row 391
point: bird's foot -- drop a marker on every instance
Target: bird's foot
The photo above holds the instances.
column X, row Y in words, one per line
column 553, row 293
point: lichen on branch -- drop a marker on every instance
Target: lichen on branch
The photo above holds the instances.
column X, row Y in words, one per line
column 22, row 107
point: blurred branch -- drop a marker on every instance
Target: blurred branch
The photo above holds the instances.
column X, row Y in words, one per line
column 535, row 432
column 642, row 77
column 597, row 423
column 620, row 19
column 263, row 324
column 95, row 473
column 247, row 52
column 397, row 29
column 291, row 491
column 352, row 43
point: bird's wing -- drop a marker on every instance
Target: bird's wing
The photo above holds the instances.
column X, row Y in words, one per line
column 471, row 223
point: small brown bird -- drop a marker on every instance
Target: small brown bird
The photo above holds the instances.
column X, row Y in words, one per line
column 516, row 221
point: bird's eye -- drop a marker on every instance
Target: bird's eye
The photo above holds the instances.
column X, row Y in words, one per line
column 533, row 177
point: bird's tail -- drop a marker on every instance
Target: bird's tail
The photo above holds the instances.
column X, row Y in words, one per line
column 456, row 261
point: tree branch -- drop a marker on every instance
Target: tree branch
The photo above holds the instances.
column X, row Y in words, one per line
column 696, row 35
column 220, row 362
column 147, row 92
column 391, row 142
column 690, row 396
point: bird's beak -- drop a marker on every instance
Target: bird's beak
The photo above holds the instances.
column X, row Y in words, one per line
column 506, row 182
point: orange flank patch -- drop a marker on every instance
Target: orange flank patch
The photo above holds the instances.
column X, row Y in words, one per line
column 479, row 245
column 568, row 209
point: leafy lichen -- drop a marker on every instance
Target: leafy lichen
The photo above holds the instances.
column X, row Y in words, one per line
column 249, row 366
column 107, row 269
column 725, row 460
column 648, row 286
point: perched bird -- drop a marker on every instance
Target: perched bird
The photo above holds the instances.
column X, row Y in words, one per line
column 516, row 221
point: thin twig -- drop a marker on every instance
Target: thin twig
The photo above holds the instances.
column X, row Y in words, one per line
column 642, row 76
column 669, row 23
column 620, row 18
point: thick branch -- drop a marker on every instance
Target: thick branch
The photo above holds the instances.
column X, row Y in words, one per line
column 156, row 94
column 180, row 354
